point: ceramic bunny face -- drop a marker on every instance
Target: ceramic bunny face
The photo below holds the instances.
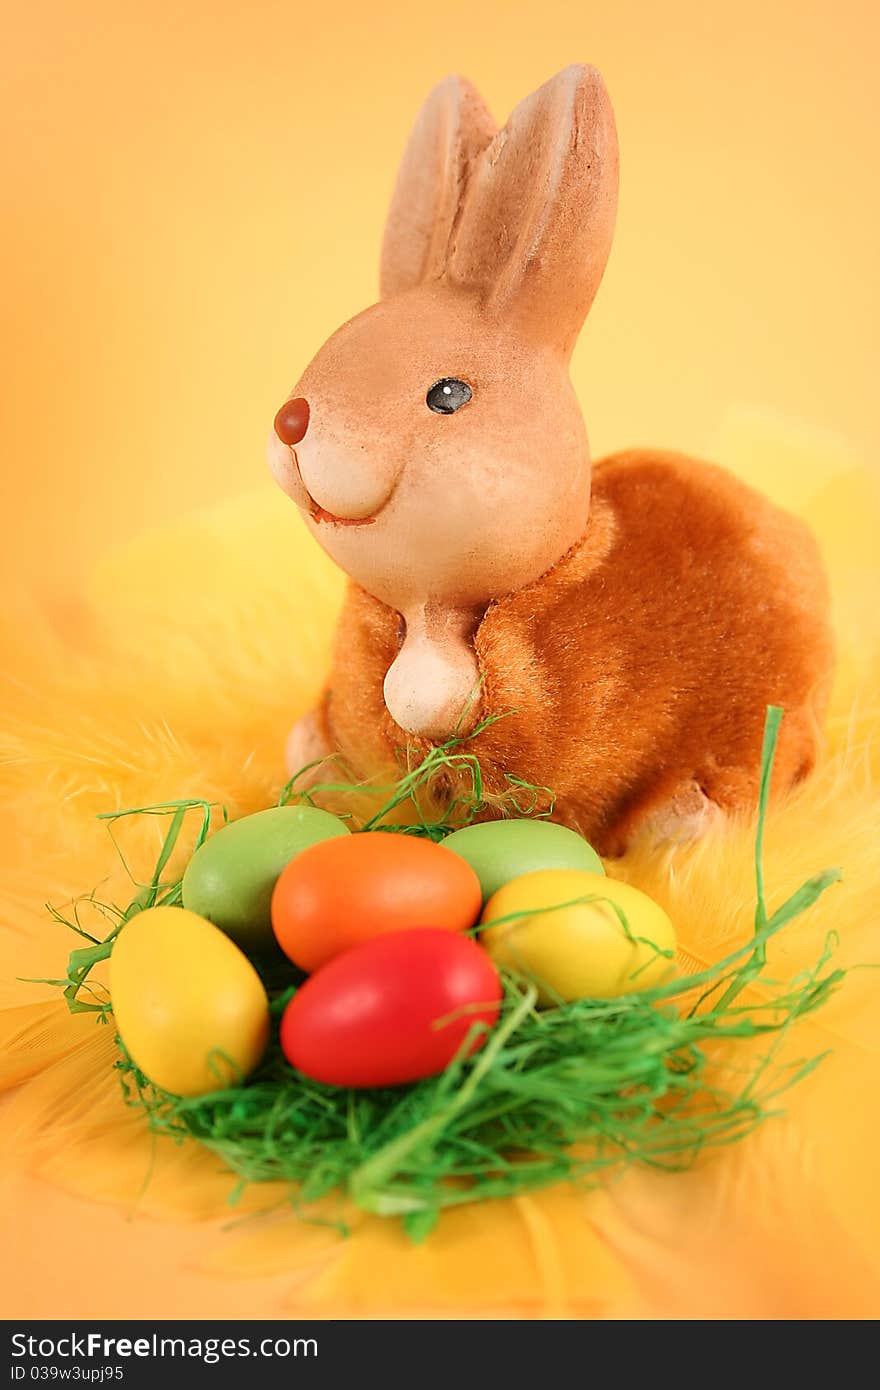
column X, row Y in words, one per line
column 435, row 444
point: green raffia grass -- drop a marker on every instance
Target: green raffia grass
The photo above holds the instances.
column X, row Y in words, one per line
column 565, row 1093
column 444, row 791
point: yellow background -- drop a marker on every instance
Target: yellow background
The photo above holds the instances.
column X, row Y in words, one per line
column 195, row 194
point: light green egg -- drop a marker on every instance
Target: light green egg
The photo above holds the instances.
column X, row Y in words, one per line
column 230, row 878
column 502, row 850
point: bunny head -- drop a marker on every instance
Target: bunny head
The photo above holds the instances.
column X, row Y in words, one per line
column 435, row 445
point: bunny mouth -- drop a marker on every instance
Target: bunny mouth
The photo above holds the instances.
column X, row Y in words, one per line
column 320, row 515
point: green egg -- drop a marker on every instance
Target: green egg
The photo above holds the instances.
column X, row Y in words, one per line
column 230, row 878
column 501, row 850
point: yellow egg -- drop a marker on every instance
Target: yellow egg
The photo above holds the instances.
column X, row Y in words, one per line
column 189, row 1006
column 582, row 950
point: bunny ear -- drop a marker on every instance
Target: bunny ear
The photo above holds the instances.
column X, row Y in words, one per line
column 452, row 130
column 537, row 224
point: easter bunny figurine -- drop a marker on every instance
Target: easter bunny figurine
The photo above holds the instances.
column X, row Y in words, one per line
column 632, row 632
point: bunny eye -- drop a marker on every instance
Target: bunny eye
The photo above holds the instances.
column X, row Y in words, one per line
column 448, row 395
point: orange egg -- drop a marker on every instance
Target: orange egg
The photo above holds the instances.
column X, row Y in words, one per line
column 341, row 892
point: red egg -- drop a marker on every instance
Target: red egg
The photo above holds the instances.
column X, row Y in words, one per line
column 391, row 1010
column 343, row 891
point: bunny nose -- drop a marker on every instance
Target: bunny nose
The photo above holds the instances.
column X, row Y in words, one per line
column 292, row 421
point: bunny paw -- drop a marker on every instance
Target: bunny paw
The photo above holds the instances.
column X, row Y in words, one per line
column 307, row 743
column 684, row 816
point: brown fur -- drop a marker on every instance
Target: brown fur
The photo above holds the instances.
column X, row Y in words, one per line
column 640, row 667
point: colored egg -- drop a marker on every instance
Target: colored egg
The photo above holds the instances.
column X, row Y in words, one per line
column 500, row 850
column 571, row 939
column 189, row 1006
column 345, row 891
column 394, row 1009
column 231, row 877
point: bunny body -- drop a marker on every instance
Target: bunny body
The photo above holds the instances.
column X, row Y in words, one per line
column 638, row 669
column 632, row 629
